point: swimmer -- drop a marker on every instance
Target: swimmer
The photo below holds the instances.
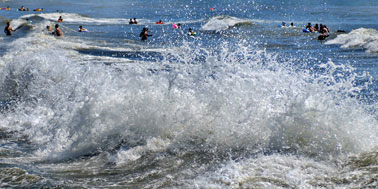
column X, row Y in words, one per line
column 178, row 26
column 323, row 36
column 38, row 9
column 57, row 31
column 22, row 8
column 326, row 29
column 81, row 29
column 131, row 21
column 191, row 32
column 292, row 24
column 48, row 28
column 135, row 21
column 283, row 24
column 60, row 19
column 8, row 29
column 308, row 27
column 144, row 34
column 160, row 22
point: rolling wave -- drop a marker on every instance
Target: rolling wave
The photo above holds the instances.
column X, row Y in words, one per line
column 219, row 23
column 359, row 38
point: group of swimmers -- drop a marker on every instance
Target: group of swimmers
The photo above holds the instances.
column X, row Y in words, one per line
column 58, row 32
column 322, row 29
column 284, row 24
column 144, row 34
column 22, row 8
column 133, row 21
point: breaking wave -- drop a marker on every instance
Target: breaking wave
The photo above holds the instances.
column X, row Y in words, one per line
column 360, row 38
column 219, row 23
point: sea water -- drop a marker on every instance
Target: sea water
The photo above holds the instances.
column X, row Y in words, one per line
column 245, row 103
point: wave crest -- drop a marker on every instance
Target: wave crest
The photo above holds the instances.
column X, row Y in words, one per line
column 360, row 38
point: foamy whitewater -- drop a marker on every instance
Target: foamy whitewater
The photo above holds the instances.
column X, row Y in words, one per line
column 243, row 104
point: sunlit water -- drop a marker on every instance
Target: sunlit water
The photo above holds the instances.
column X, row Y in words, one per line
column 243, row 104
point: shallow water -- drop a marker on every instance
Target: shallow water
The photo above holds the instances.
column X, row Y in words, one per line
column 243, row 104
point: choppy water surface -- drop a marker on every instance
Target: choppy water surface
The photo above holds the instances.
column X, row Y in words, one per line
column 243, row 104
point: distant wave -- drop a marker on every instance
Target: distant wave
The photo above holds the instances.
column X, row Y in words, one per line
column 77, row 18
column 219, row 23
column 360, row 38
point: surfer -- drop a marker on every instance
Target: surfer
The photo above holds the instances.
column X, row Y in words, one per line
column 60, row 19
column 144, row 34
column 81, row 29
column 57, row 31
column 8, row 29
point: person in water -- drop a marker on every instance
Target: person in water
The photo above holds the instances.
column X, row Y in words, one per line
column 308, row 27
column 60, row 19
column 8, row 29
column 135, row 21
column 81, row 29
column 191, row 32
column 22, row 8
column 38, row 9
column 160, row 22
column 144, row 34
column 57, row 31
column 283, row 24
column 292, row 24
column 131, row 21
column 48, row 27
column 323, row 36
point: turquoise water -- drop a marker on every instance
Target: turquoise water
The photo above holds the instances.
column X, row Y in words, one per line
column 245, row 103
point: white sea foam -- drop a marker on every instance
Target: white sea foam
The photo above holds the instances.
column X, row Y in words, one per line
column 219, row 23
column 236, row 100
column 266, row 172
column 79, row 19
column 359, row 38
column 153, row 145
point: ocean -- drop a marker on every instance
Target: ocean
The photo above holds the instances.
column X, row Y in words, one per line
column 244, row 103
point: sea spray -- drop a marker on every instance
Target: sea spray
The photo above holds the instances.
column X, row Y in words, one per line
column 228, row 115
